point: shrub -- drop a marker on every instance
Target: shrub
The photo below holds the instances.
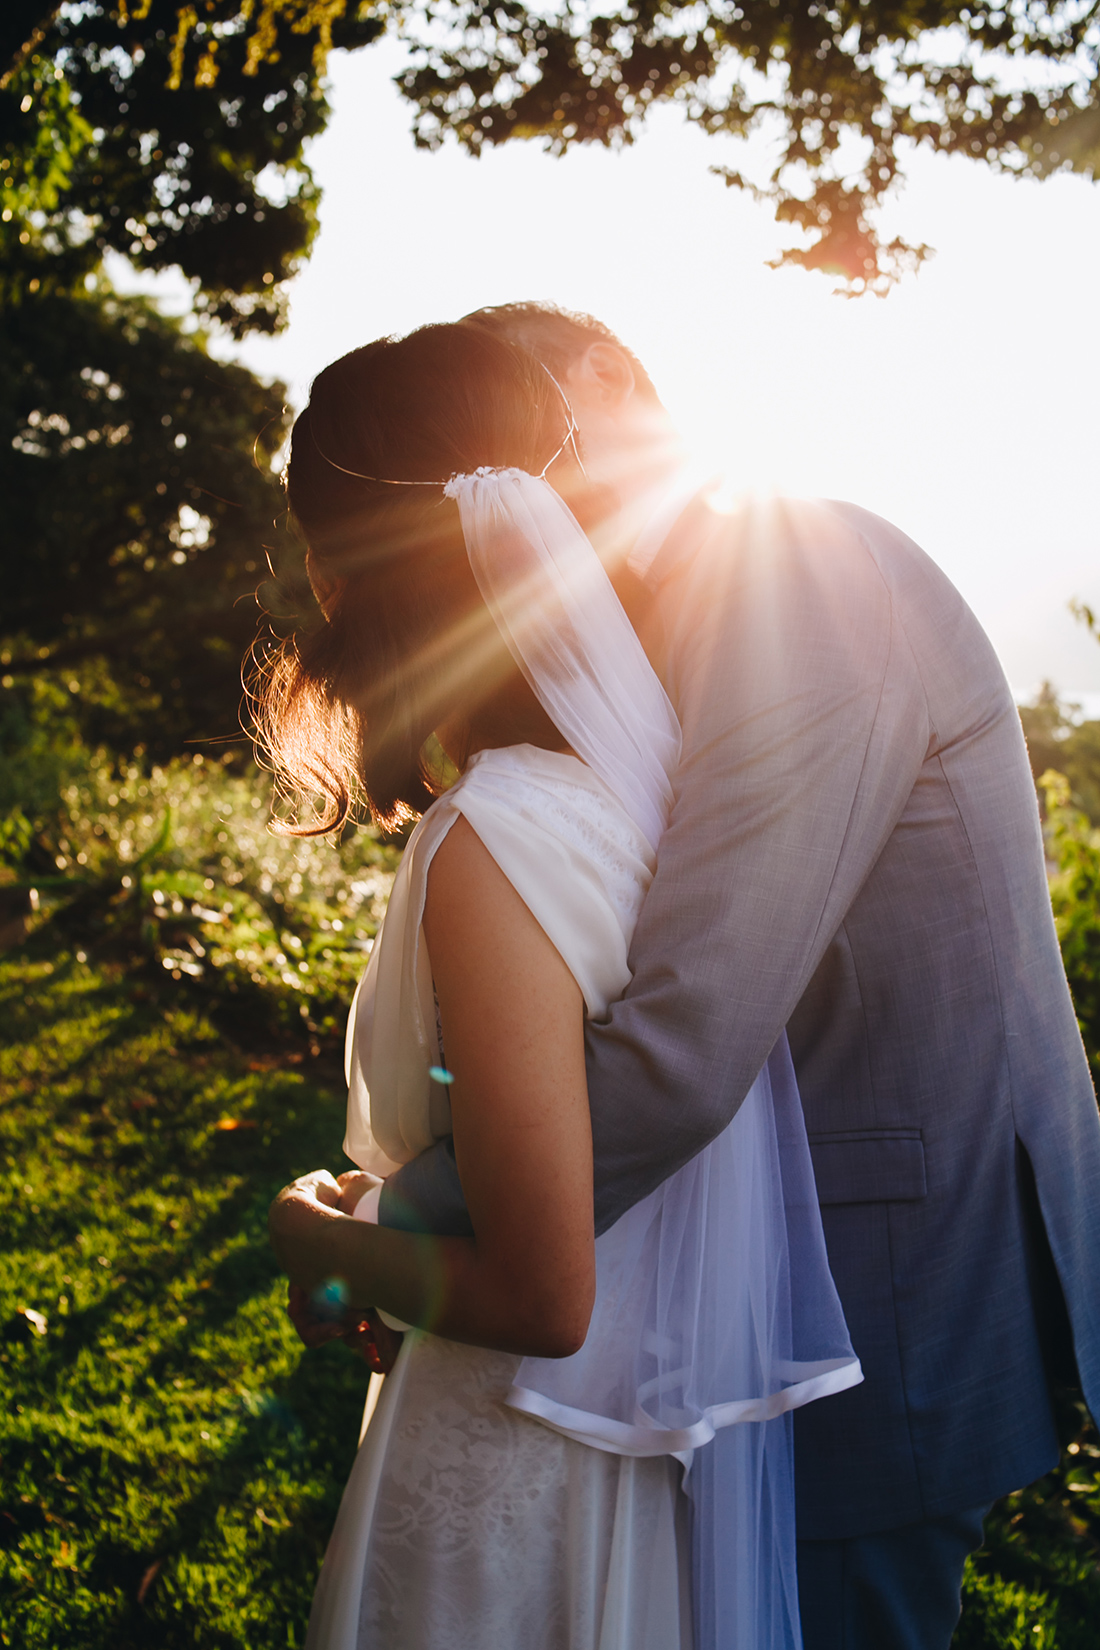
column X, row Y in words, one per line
column 1075, row 893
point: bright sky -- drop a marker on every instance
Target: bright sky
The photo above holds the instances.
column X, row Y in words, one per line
column 963, row 407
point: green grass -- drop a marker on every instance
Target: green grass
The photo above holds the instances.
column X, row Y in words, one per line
column 1035, row 1585
column 171, row 1459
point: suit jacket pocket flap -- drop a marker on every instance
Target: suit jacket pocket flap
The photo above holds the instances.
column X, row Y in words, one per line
column 869, row 1166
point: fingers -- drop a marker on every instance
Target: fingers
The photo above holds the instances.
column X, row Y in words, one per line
column 353, row 1187
column 312, row 1329
column 300, row 1227
column 312, row 1333
column 298, row 1204
column 362, row 1331
column 361, row 1341
column 320, row 1185
column 374, row 1341
column 387, row 1344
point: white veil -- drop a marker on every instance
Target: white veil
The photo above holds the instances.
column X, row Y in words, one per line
column 716, row 1313
column 566, row 629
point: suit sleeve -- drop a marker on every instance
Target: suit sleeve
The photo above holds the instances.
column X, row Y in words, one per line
column 805, row 726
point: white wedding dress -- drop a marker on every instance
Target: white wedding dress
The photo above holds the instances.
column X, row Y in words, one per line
column 500, row 1503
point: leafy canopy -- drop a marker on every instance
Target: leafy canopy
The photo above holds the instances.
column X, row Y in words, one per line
column 174, row 137
column 137, row 475
column 136, row 468
column 843, row 90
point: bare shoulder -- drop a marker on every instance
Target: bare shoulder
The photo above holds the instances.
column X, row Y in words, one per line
column 461, row 854
column 466, row 884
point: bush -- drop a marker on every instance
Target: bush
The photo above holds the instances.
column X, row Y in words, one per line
column 1075, row 893
column 175, row 870
column 1057, row 738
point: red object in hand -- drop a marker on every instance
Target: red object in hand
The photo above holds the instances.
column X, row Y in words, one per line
column 375, row 1341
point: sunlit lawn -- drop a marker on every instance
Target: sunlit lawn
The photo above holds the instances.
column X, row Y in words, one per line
column 171, row 1458
column 172, row 1462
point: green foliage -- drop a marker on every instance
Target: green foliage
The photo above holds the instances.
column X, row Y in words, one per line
column 172, row 1461
column 844, row 90
column 1057, row 739
column 40, row 162
column 174, row 873
column 167, row 137
column 40, row 749
column 1075, row 893
column 174, row 1025
column 136, row 473
column 136, row 470
column 1036, row 1581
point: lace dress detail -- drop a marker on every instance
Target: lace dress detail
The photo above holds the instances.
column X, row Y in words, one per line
column 489, row 1531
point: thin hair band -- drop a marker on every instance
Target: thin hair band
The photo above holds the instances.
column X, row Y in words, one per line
column 387, row 481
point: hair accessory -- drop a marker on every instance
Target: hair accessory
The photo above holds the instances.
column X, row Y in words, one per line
column 387, row 481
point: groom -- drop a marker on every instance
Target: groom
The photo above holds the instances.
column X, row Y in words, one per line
column 854, row 854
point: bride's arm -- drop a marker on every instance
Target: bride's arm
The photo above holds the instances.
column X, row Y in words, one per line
column 513, row 1029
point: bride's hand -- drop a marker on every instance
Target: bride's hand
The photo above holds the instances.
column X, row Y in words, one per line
column 300, row 1221
column 320, row 1185
column 314, row 1328
column 354, row 1185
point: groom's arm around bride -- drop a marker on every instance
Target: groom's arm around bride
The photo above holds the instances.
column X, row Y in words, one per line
column 854, row 854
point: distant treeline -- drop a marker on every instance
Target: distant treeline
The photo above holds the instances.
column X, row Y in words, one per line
column 1058, row 739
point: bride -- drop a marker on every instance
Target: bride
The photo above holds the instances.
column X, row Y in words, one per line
column 584, row 1443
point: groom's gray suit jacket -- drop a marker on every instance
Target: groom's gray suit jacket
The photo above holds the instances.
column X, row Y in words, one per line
column 854, row 853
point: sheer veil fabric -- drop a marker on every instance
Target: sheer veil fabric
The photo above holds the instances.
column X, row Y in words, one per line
column 715, row 1313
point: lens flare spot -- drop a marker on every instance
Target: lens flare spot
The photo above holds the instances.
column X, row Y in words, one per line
column 330, row 1298
column 440, row 1074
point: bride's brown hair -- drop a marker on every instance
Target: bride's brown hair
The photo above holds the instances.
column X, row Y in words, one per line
column 343, row 710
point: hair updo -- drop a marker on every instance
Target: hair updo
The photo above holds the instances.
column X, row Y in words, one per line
column 343, row 710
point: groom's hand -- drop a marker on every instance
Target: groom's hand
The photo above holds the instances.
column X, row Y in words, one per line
column 376, row 1343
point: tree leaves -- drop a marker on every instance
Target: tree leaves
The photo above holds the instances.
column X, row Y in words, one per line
column 176, row 146
column 842, row 91
column 197, row 110
column 139, row 490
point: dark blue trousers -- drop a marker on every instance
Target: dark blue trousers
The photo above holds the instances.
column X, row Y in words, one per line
column 896, row 1590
